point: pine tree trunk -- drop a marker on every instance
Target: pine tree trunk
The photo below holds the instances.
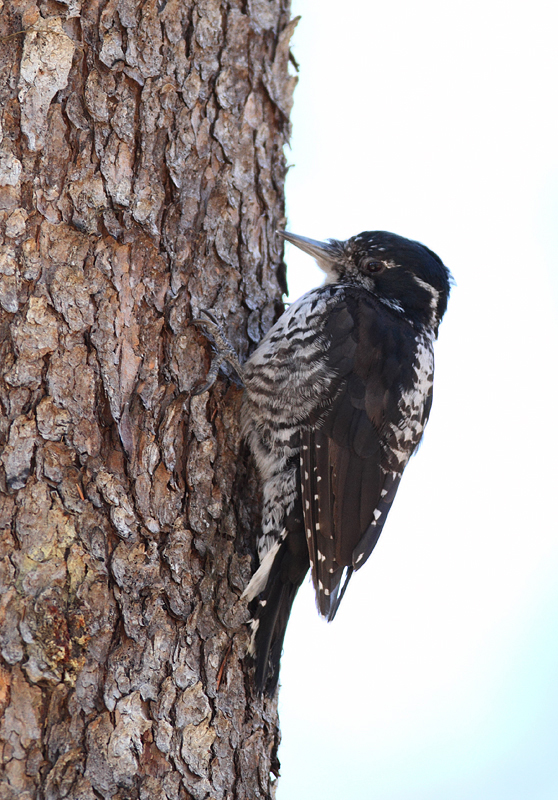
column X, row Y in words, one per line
column 141, row 180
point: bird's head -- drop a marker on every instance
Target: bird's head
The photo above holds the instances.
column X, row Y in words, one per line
column 403, row 274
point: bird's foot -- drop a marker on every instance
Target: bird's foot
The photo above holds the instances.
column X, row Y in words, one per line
column 224, row 351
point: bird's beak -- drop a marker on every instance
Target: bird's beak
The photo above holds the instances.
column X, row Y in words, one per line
column 325, row 253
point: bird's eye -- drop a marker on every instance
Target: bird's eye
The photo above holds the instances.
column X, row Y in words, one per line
column 372, row 265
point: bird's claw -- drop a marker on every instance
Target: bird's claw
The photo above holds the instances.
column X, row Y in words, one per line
column 210, row 322
column 224, row 351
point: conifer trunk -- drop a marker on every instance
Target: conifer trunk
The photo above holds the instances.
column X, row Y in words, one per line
column 141, row 180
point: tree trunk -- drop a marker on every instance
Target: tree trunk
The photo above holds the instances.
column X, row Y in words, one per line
column 141, row 179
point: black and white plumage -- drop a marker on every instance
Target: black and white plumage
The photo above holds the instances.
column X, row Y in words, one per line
column 337, row 395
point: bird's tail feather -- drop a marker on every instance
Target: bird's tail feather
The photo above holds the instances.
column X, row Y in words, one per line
column 273, row 609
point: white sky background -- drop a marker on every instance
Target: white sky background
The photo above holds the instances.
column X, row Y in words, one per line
column 438, row 680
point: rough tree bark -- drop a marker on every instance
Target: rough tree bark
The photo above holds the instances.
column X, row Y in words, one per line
column 141, row 179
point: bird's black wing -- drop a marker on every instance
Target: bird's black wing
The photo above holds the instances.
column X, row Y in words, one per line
column 355, row 449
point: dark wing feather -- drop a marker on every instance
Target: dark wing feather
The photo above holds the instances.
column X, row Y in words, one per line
column 347, row 475
column 316, row 483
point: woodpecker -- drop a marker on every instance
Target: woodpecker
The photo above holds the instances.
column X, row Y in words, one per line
column 337, row 395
